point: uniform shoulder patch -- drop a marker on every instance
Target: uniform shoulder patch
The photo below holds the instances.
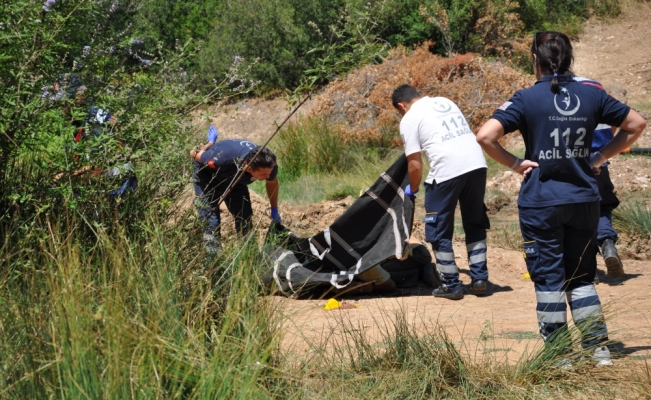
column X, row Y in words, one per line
column 506, row 105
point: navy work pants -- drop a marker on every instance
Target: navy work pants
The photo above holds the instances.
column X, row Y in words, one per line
column 608, row 203
column 440, row 202
column 238, row 203
column 560, row 252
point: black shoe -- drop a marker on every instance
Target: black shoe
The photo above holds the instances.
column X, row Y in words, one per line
column 478, row 286
column 446, row 293
column 613, row 262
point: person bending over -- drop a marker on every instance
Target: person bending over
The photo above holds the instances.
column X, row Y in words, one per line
column 215, row 169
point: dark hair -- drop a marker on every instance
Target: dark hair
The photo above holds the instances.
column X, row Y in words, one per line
column 404, row 94
column 553, row 52
column 261, row 158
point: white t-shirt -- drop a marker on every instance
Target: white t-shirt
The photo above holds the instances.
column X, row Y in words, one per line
column 437, row 126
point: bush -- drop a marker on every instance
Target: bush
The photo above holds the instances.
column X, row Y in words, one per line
column 63, row 71
column 282, row 34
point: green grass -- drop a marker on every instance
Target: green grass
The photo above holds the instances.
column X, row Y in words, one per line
column 642, row 105
column 132, row 318
column 633, row 217
column 506, row 236
column 315, row 187
column 520, row 336
column 494, row 167
column 419, row 361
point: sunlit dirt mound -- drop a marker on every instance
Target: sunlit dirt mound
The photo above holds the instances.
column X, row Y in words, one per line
column 362, row 100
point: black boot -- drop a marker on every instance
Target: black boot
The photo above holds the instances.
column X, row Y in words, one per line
column 613, row 263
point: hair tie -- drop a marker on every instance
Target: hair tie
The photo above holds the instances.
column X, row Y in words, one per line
column 555, row 75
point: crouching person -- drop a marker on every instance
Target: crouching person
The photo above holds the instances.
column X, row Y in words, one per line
column 215, row 169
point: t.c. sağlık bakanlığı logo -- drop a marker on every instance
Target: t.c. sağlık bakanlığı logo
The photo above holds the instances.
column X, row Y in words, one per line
column 441, row 107
column 566, row 99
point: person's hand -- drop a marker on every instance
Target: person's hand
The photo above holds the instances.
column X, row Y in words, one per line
column 212, row 134
column 409, row 193
column 275, row 216
column 596, row 160
column 524, row 167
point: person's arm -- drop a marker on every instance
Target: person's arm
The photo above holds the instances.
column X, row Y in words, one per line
column 630, row 129
column 206, row 146
column 488, row 137
column 196, row 155
column 94, row 171
column 415, row 168
column 272, row 192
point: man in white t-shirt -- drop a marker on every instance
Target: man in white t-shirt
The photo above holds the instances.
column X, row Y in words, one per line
column 457, row 173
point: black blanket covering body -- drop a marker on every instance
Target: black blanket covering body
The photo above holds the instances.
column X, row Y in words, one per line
column 375, row 227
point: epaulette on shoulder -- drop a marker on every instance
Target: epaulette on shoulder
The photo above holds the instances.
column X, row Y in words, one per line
column 592, row 83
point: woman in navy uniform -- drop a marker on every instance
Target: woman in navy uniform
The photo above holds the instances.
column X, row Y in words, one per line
column 559, row 199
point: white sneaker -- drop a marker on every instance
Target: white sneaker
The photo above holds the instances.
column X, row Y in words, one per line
column 602, row 357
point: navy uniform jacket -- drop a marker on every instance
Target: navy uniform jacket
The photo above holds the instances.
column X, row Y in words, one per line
column 220, row 163
column 557, row 130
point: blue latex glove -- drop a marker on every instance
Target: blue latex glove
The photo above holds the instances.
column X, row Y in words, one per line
column 275, row 216
column 212, row 134
column 409, row 193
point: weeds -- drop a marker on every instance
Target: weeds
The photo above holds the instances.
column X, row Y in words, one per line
column 507, row 237
column 633, row 217
column 132, row 318
column 418, row 360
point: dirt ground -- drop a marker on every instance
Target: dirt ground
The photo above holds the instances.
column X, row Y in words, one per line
column 502, row 325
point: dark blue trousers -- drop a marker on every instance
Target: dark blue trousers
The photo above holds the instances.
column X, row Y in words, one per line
column 608, row 203
column 440, row 202
column 238, row 203
column 560, row 248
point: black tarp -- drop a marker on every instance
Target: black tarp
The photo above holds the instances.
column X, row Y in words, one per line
column 377, row 226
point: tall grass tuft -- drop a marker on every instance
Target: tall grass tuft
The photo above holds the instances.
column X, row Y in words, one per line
column 310, row 146
column 145, row 317
column 633, row 217
column 410, row 360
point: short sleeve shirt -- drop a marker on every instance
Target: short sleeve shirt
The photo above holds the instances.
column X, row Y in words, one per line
column 226, row 156
column 558, row 130
column 603, row 133
column 436, row 126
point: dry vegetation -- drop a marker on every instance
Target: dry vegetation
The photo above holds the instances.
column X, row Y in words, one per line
column 362, row 100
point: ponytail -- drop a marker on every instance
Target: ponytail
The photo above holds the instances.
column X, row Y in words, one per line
column 554, row 83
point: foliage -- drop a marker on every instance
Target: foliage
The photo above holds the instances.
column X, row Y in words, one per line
column 311, row 146
column 281, row 34
column 132, row 318
column 60, row 71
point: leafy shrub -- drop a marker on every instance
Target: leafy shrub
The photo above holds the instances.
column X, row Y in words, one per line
column 63, row 60
column 281, row 34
